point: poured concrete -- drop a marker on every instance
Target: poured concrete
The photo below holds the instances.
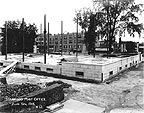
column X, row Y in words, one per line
column 74, row 106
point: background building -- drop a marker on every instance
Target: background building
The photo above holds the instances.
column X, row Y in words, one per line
column 129, row 47
column 141, row 47
column 56, row 42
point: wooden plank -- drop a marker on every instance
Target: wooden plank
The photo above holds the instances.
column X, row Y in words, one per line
column 6, row 69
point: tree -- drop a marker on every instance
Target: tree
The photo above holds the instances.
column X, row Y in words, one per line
column 114, row 18
column 120, row 16
column 86, row 21
column 30, row 35
column 83, row 16
column 14, row 37
column 90, row 36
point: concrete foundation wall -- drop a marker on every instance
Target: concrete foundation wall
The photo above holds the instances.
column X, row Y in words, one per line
column 98, row 72
column 40, row 67
column 86, row 71
column 111, row 69
column 5, row 63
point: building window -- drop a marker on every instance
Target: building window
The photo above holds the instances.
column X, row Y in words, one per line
column 37, row 68
column 70, row 46
column 111, row 73
column 37, row 39
column 65, row 42
column 79, row 74
column 1, row 64
column 70, row 41
column 56, row 38
column 49, row 69
column 70, row 37
column 65, row 46
column 65, row 38
column 56, row 42
column 26, row 67
column 40, row 39
column 120, row 68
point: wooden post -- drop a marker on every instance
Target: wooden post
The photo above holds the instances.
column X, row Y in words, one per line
column 48, row 40
column 6, row 39
column 23, row 39
column 41, row 36
column 61, row 37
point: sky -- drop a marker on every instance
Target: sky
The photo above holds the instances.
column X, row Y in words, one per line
column 33, row 11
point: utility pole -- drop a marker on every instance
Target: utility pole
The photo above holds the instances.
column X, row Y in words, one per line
column 23, row 39
column 6, row 39
column 44, row 39
column 77, row 38
column 48, row 40
column 61, row 37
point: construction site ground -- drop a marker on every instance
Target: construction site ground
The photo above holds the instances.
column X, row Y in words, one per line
column 124, row 92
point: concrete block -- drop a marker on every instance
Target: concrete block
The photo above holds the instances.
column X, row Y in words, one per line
column 98, row 76
column 84, row 66
column 106, row 76
column 77, row 65
column 89, row 74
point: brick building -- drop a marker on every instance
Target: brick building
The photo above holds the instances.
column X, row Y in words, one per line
column 55, row 42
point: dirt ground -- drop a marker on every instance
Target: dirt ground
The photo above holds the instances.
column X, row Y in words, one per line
column 125, row 91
